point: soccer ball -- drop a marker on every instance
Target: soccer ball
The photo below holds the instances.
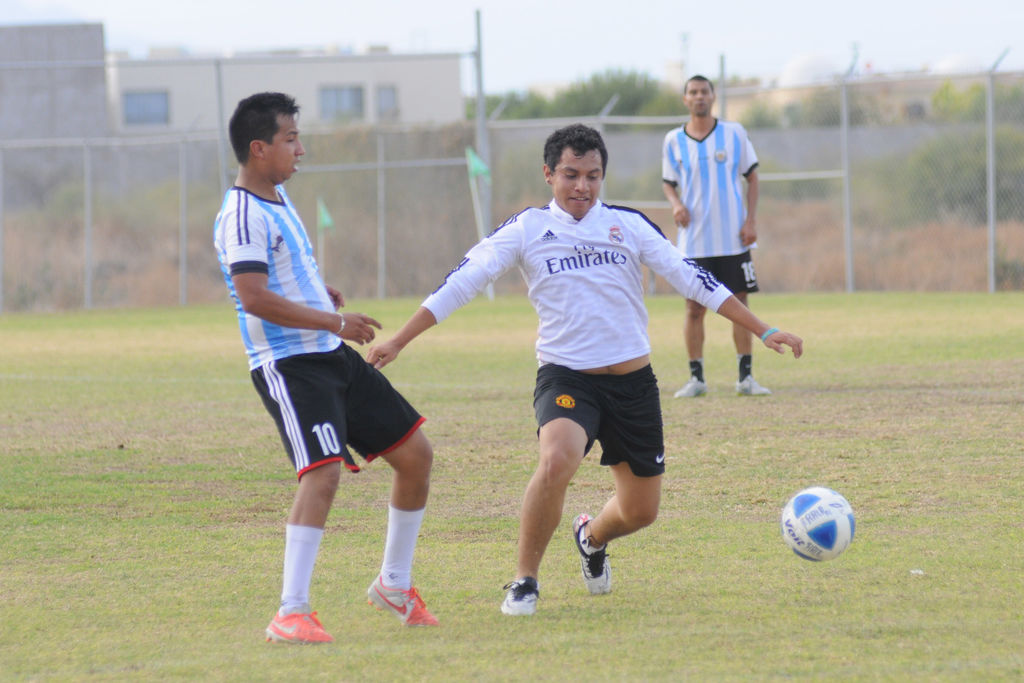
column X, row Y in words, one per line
column 817, row 523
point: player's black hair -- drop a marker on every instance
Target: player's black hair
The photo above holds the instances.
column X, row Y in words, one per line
column 577, row 137
column 255, row 118
column 698, row 77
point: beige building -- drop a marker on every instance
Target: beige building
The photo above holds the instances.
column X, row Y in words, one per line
column 175, row 92
column 57, row 81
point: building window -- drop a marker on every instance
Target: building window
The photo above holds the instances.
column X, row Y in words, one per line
column 341, row 103
column 147, row 108
column 915, row 111
column 387, row 103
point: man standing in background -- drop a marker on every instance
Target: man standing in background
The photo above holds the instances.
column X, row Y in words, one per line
column 703, row 162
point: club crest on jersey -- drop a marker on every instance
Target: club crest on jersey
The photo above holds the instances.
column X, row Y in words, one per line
column 615, row 235
column 721, row 156
column 565, row 401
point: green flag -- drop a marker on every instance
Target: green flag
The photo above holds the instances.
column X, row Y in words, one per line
column 476, row 165
column 323, row 219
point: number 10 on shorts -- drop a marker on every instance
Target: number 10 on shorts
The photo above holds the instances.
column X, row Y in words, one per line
column 328, row 438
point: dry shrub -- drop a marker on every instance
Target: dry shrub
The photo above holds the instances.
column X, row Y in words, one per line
column 801, row 249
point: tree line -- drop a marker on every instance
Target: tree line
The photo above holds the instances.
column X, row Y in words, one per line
column 638, row 94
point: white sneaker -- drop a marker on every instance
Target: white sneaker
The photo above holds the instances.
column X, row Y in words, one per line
column 521, row 599
column 750, row 387
column 692, row 389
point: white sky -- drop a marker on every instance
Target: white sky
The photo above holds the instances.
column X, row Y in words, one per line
column 536, row 42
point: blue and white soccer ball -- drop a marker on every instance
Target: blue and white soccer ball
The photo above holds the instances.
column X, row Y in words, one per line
column 818, row 524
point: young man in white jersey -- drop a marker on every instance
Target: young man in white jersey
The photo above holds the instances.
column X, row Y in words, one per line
column 582, row 261
column 704, row 164
column 320, row 392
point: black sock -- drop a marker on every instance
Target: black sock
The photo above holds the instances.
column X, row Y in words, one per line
column 746, row 361
column 697, row 369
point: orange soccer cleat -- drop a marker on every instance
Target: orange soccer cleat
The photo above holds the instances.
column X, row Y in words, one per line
column 300, row 627
column 407, row 605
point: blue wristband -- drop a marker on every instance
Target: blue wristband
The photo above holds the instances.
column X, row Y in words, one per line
column 769, row 332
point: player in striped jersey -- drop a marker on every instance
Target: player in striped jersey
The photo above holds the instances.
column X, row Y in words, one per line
column 583, row 265
column 321, row 393
column 704, row 163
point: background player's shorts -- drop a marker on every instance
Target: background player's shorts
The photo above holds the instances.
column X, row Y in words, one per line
column 323, row 401
column 623, row 412
column 735, row 272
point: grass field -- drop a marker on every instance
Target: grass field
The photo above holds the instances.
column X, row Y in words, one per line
column 143, row 491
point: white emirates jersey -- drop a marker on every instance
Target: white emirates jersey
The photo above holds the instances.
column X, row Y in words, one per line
column 584, row 278
column 253, row 234
column 707, row 173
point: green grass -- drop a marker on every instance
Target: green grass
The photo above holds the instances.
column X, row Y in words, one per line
column 144, row 489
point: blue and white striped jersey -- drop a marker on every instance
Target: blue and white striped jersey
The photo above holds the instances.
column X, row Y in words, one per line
column 252, row 234
column 707, row 174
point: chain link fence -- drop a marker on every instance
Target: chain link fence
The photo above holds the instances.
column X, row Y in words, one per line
column 913, row 185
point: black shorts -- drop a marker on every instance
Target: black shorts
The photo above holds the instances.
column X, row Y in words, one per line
column 323, row 401
column 735, row 272
column 623, row 412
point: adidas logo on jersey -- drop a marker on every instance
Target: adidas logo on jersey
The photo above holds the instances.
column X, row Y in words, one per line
column 548, row 236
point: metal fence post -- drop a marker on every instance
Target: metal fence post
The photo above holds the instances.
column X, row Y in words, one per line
column 990, row 168
column 990, row 178
column 222, row 138
column 606, row 110
column 723, row 100
column 483, row 144
column 844, row 152
column 382, row 221
column 87, row 221
column 182, row 223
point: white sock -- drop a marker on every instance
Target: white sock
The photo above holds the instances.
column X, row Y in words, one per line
column 403, row 531
column 302, row 543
